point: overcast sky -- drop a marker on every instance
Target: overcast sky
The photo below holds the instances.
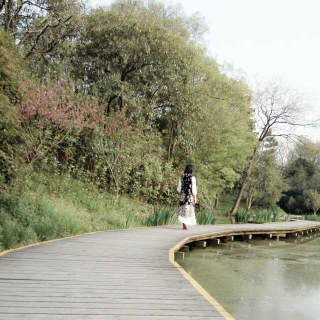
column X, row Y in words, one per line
column 264, row 38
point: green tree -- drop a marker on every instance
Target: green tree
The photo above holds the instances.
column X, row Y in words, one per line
column 129, row 58
column 223, row 137
column 11, row 139
column 11, row 74
column 314, row 197
column 11, row 68
column 300, row 176
column 170, row 16
column 306, row 149
column 132, row 60
column 266, row 182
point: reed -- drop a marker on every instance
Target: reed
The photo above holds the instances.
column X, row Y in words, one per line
column 312, row 217
column 168, row 216
column 161, row 216
column 205, row 217
column 243, row 216
column 260, row 215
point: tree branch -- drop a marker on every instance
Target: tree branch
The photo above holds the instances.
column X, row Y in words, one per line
column 16, row 13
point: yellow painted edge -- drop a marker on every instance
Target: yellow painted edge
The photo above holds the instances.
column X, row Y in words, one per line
column 194, row 283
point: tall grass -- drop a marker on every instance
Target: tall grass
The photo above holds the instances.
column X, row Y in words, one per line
column 260, row 216
column 312, row 217
column 243, row 215
column 168, row 216
column 161, row 216
column 205, row 217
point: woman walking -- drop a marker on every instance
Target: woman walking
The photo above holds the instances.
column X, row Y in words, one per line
column 187, row 189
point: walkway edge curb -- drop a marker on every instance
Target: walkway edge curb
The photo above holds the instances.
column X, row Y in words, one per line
column 194, row 283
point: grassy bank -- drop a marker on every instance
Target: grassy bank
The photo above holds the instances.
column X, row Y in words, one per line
column 50, row 207
column 46, row 208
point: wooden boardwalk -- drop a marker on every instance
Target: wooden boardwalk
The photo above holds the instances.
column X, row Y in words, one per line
column 125, row 274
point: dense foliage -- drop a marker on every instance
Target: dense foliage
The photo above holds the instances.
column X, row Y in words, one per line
column 302, row 174
column 135, row 98
column 10, row 130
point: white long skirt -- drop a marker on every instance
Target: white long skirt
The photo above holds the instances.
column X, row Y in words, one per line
column 186, row 215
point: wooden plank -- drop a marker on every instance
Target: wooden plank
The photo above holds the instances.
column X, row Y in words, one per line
column 118, row 273
column 16, row 300
column 104, row 311
column 103, row 305
column 18, row 316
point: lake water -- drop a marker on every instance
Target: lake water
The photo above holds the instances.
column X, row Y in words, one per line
column 261, row 279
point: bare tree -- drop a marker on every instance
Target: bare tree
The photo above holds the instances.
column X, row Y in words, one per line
column 283, row 154
column 279, row 112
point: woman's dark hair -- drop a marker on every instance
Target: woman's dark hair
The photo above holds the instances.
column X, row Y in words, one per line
column 189, row 169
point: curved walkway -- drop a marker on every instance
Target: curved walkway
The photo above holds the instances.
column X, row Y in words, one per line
column 123, row 274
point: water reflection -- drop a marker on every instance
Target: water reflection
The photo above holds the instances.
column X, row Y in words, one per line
column 261, row 279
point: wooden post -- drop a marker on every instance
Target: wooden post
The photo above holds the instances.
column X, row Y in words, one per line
column 247, row 236
column 179, row 255
column 227, row 239
column 200, row 244
column 212, row 242
column 292, row 235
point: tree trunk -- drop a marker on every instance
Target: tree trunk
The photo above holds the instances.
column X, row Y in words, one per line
column 243, row 185
column 247, row 202
column 250, row 202
column 217, row 202
column 232, row 219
